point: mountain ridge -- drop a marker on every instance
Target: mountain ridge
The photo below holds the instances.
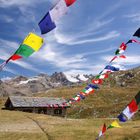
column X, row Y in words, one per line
column 24, row 86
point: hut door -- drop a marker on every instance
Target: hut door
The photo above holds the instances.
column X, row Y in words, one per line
column 58, row 111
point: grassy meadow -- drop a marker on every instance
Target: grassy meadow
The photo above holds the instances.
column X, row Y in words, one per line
column 83, row 122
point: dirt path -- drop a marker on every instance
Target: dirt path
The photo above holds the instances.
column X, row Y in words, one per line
column 41, row 128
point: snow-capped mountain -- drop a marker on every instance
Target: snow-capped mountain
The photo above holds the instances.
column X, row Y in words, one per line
column 76, row 78
column 21, row 85
column 27, row 86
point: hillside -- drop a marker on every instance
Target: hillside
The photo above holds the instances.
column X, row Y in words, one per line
column 84, row 119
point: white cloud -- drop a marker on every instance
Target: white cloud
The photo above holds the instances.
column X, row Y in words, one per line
column 98, row 52
column 26, row 65
column 8, row 44
column 7, row 18
column 7, row 3
column 133, row 17
column 91, row 69
column 87, row 30
column 58, row 58
column 72, row 40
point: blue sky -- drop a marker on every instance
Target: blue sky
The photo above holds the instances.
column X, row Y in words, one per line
column 83, row 42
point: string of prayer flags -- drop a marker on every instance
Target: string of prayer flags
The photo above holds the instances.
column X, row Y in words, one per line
column 48, row 22
column 32, row 43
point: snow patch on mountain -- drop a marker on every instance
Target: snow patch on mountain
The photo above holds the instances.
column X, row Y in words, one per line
column 71, row 78
column 27, row 81
column 75, row 78
column 82, row 77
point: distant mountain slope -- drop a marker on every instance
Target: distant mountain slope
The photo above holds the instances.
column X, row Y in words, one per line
column 42, row 83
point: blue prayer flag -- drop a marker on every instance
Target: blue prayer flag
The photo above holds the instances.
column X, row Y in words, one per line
column 93, row 86
column 81, row 96
column 122, row 118
column 46, row 24
column 112, row 68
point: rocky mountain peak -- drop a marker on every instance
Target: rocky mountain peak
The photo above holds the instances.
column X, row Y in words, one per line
column 59, row 77
column 19, row 78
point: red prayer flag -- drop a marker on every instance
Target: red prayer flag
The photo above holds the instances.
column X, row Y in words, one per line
column 122, row 56
column 84, row 94
column 133, row 107
column 104, row 129
column 98, row 81
column 91, row 92
column 69, row 2
column 123, row 46
column 15, row 57
column 133, row 40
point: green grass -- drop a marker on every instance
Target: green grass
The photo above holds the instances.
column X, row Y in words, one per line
column 17, row 126
column 21, row 136
column 81, row 122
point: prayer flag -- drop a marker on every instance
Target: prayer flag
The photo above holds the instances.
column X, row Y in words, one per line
column 81, row 96
column 58, row 10
column 93, row 86
column 132, row 41
column 137, row 33
column 122, row 118
column 24, row 51
column 98, row 81
column 133, row 107
column 121, row 49
column 128, row 113
column 112, row 68
column 46, row 24
column 15, row 57
column 70, row 2
column 137, row 98
column 102, row 76
column 34, row 41
column 102, row 132
column 114, row 124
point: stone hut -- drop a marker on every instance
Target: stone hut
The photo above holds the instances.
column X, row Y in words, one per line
column 41, row 105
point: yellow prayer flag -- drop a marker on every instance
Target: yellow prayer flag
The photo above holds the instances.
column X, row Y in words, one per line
column 115, row 124
column 34, row 41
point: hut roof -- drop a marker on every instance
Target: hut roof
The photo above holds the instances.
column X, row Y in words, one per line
column 19, row 101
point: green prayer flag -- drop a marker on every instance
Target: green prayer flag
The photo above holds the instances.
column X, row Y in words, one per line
column 117, row 52
column 24, row 50
column 84, row 90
